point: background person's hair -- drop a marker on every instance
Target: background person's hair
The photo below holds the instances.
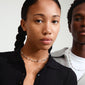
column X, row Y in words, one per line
column 20, row 38
column 73, row 5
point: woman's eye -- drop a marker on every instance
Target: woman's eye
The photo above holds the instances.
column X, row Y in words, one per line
column 38, row 21
column 55, row 21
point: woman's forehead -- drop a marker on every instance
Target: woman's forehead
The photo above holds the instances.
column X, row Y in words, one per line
column 42, row 6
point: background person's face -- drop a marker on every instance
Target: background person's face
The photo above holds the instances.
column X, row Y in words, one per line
column 42, row 24
column 77, row 26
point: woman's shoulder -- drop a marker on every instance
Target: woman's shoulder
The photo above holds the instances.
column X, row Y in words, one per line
column 5, row 55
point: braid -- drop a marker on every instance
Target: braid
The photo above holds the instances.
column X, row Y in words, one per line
column 20, row 39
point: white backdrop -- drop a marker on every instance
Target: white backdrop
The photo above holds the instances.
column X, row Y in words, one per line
column 10, row 15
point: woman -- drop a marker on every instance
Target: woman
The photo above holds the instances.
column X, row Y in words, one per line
column 30, row 63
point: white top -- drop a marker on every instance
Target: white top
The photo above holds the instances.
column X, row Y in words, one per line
column 76, row 63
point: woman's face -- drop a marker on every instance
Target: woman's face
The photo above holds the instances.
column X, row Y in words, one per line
column 42, row 24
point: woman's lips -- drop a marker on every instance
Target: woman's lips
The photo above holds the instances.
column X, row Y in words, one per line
column 46, row 41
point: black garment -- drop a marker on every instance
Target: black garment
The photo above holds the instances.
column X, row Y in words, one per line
column 12, row 72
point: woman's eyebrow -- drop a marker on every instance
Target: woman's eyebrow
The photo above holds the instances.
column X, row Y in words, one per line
column 56, row 16
column 44, row 15
column 38, row 15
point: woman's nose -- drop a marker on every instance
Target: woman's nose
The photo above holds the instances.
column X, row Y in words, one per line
column 47, row 29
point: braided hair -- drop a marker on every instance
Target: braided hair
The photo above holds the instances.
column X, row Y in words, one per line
column 21, row 36
column 20, row 39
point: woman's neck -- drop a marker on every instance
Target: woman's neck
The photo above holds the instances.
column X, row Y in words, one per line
column 35, row 54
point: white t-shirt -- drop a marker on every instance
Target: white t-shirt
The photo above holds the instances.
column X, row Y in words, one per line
column 76, row 63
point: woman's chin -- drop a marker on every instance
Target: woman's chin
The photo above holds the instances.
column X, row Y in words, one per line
column 46, row 47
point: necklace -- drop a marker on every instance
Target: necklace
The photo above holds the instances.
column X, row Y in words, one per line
column 70, row 62
column 32, row 60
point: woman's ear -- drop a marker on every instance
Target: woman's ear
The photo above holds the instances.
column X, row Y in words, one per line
column 23, row 25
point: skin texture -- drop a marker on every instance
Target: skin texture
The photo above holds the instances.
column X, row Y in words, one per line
column 77, row 28
column 42, row 26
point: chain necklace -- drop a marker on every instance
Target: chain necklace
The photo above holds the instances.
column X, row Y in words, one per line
column 32, row 60
column 69, row 58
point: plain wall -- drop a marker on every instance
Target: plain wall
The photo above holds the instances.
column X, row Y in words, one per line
column 10, row 16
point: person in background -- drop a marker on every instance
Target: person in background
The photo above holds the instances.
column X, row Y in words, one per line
column 74, row 57
column 31, row 63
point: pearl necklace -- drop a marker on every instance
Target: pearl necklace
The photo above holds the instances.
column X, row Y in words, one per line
column 41, row 60
column 70, row 62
